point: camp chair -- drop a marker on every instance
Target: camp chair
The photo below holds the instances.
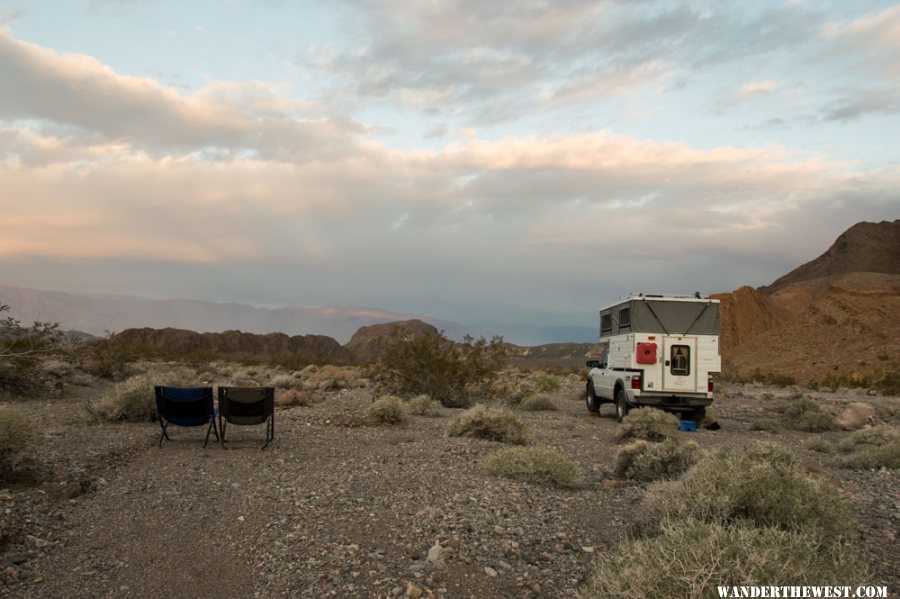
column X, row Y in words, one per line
column 247, row 405
column 190, row 406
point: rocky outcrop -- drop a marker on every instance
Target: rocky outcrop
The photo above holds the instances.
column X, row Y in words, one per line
column 181, row 342
column 369, row 343
column 864, row 247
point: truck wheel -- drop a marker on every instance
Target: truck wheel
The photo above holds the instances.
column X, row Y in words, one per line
column 593, row 402
column 621, row 405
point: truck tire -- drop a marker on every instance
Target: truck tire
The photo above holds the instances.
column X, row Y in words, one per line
column 593, row 402
column 621, row 405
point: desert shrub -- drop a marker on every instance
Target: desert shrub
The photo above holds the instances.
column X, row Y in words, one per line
column 449, row 372
column 547, row 383
column 761, row 486
column 691, row 559
column 423, row 405
column 871, row 436
column 820, row 445
column 489, row 423
column 133, row 400
column 284, row 381
column 855, row 416
column 388, row 409
column 17, row 434
column 21, row 351
column 331, row 378
column 889, row 384
column 771, row 378
column 874, row 458
column 887, row 409
column 765, row 424
column 646, row 461
column 286, row 398
column 542, row 465
column 804, row 414
column 648, row 424
column 534, row 403
column 56, row 367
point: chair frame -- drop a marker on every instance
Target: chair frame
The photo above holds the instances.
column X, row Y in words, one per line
column 204, row 394
column 268, row 402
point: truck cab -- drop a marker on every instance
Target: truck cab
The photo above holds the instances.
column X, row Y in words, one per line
column 660, row 350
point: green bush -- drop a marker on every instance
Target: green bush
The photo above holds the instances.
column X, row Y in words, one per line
column 547, row 383
column 387, row 410
column 450, row 372
column 423, row 405
column 762, row 486
column 820, row 445
column 17, row 435
column 646, row 461
column 492, row 424
column 542, row 465
column 806, row 415
column 21, row 351
column 534, row 403
column 691, row 559
column 871, row 436
column 648, row 424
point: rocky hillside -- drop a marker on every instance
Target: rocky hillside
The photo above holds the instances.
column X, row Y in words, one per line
column 824, row 321
column 180, row 342
column 369, row 343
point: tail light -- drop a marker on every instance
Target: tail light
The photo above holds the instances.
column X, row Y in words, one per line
column 709, row 383
column 635, row 381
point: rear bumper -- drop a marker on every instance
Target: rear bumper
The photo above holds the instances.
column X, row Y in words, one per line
column 672, row 402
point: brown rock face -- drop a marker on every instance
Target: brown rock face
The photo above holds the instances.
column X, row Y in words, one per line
column 864, row 247
column 309, row 348
column 369, row 343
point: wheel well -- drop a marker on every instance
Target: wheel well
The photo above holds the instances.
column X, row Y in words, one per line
column 618, row 387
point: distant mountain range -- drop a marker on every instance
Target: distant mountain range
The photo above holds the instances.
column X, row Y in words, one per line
column 97, row 314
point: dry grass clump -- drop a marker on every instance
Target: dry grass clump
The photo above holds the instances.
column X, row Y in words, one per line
column 287, row 398
column 872, row 448
column 648, row 424
column 855, row 416
column 547, row 383
column 331, row 378
column 542, row 465
column 423, row 405
column 804, row 414
column 691, row 559
column 765, row 424
column 17, row 434
column 535, row 403
column 492, row 424
column 762, row 486
column 387, row 409
column 284, row 381
column 646, row 461
column 887, row 409
column 820, row 445
column 133, row 400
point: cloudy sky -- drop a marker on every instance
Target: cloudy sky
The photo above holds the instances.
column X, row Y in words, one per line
column 483, row 162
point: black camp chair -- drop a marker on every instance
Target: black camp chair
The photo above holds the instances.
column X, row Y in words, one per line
column 247, row 405
column 185, row 406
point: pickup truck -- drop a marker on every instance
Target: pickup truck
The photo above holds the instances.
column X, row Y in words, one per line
column 660, row 351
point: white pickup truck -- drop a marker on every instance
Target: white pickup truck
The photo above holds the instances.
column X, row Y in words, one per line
column 661, row 350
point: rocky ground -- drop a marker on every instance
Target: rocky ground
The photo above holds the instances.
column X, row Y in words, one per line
column 339, row 507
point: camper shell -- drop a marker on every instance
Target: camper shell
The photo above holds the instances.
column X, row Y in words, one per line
column 661, row 350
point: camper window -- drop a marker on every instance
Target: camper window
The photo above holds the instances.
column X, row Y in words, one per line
column 625, row 318
column 605, row 323
column 681, row 360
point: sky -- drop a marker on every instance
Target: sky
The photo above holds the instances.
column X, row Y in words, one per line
column 489, row 163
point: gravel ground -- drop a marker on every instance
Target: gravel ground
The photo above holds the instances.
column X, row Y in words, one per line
column 341, row 508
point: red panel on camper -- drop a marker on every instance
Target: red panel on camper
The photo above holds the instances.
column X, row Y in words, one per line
column 646, row 353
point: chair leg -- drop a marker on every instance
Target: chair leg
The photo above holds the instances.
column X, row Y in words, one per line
column 212, row 422
column 215, row 428
column 163, row 434
column 222, row 424
column 270, row 431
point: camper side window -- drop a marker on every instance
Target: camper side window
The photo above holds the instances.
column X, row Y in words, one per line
column 625, row 318
column 605, row 323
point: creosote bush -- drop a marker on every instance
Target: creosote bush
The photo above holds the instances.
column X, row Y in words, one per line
column 647, row 461
column 691, row 559
column 17, row 434
column 819, row 445
column 423, row 405
column 871, row 436
column 492, row 424
column 762, row 486
column 284, row 381
column 804, row 414
column 535, row 403
column 542, row 465
column 872, row 447
column 449, row 372
column 547, row 383
column 21, row 351
column 388, row 409
column 648, row 424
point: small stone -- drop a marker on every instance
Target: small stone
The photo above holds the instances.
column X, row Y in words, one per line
column 587, row 549
column 413, row 591
column 490, row 571
column 436, row 555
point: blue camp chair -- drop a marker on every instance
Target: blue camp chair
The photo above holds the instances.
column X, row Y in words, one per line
column 247, row 405
column 191, row 406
